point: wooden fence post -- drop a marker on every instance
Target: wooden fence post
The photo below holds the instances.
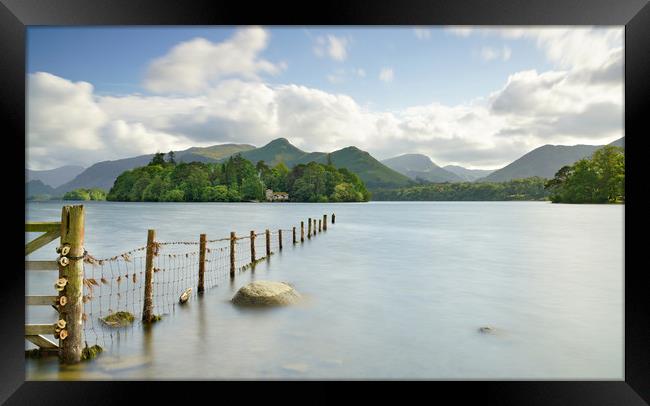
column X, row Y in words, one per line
column 309, row 228
column 72, row 235
column 147, row 310
column 324, row 222
column 320, row 225
column 201, row 287
column 333, row 218
column 268, row 243
column 302, row 231
column 252, row 247
column 294, row 234
column 233, row 239
column 280, row 240
column 315, row 227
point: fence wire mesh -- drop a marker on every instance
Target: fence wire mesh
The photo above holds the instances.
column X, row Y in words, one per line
column 117, row 284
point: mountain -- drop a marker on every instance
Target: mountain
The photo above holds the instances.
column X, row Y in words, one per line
column 468, row 175
column 418, row 166
column 373, row 173
column 276, row 151
column 544, row 161
column 216, row 151
column 618, row 143
column 36, row 188
column 103, row 174
column 54, row 177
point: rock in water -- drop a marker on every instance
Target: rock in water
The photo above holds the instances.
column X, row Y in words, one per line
column 266, row 293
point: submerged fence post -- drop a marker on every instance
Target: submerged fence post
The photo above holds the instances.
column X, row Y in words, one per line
column 333, row 218
column 315, row 227
column 320, row 225
column 280, row 240
column 147, row 310
column 302, row 231
column 268, row 243
column 252, row 247
column 309, row 228
column 233, row 239
column 201, row 288
column 294, row 234
column 72, row 235
column 324, row 222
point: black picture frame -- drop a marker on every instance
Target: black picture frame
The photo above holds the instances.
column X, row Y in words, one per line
column 15, row 15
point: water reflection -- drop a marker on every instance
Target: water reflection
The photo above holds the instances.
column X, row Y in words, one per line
column 397, row 290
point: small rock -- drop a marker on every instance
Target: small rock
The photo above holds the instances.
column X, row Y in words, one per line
column 486, row 330
column 266, row 293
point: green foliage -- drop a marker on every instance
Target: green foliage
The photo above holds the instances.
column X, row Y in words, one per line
column 158, row 159
column 598, row 179
column 85, row 194
column 237, row 179
column 517, row 189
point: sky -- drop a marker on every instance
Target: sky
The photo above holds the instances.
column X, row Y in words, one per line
column 479, row 97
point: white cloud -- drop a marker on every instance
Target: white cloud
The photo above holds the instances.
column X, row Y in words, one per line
column 361, row 73
column 332, row 46
column 386, row 74
column 422, row 33
column 490, row 53
column 68, row 123
column 191, row 66
column 461, row 31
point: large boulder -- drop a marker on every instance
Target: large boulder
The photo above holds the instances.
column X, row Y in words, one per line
column 266, row 293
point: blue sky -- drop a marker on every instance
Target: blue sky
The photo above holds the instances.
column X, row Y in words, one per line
column 452, row 93
column 443, row 68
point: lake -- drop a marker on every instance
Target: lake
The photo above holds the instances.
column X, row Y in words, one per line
column 393, row 290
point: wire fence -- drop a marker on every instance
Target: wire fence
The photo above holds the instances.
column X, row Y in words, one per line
column 117, row 284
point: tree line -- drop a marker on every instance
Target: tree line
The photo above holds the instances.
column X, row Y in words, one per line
column 517, row 189
column 597, row 179
column 85, row 194
column 235, row 180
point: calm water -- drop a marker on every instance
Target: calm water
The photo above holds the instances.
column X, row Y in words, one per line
column 393, row 290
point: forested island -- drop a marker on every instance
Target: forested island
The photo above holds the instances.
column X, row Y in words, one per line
column 517, row 189
column 598, row 179
column 85, row 194
column 235, row 180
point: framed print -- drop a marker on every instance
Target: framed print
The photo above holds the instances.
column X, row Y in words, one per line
column 422, row 191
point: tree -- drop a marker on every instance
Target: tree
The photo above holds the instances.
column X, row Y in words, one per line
column 158, row 159
column 252, row 189
column 172, row 159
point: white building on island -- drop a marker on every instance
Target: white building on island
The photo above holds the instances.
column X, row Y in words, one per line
column 272, row 196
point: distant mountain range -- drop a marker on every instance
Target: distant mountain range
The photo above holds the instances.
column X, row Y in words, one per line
column 468, row 175
column 372, row 172
column 421, row 167
column 400, row 171
column 544, row 161
column 54, row 177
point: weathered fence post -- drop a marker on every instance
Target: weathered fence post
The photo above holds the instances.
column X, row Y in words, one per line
column 280, row 240
column 201, row 288
column 333, row 218
column 315, row 227
column 268, row 243
column 309, row 228
column 147, row 309
column 302, row 231
column 294, row 234
column 252, row 247
column 324, row 222
column 72, row 235
column 233, row 239
column 320, row 225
